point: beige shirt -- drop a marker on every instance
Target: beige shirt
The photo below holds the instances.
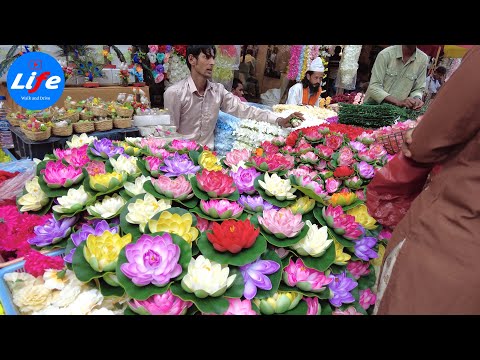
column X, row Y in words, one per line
column 195, row 115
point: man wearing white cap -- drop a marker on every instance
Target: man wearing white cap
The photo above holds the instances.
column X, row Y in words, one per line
column 307, row 92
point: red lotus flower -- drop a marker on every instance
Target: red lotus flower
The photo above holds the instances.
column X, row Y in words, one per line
column 269, row 148
column 343, row 171
column 233, row 235
column 334, row 141
column 215, row 183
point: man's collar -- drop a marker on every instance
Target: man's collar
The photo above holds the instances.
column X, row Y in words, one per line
column 193, row 87
column 399, row 53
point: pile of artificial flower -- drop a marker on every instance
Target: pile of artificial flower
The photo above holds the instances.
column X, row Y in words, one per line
column 173, row 229
column 249, row 134
column 313, row 115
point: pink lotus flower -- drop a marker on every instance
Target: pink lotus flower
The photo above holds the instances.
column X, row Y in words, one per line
column 269, row 148
column 345, row 157
column 361, row 195
column 274, row 162
column 307, row 279
column 365, row 138
column 377, row 151
column 185, row 145
column 158, row 152
column 303, row 147
column 312, row 304
column 76, row 156
column 281, row 223
column 178, row 188
column 234, row 157
column 348, row 311
column 153, row 163
column 309, row 157
column 221, row 209
column 354, row 182
column 279, row 141
column 366, row 155
column 315, row 186
column 333, row 141
column 358, row 268
column 203, row 224
column 56, row 174
column 287, row 149
column 367, row 298
column 164, row 304
column 95, row 167
column 332, row 185
column 324, row 151
column 215, row 183
column 239, row 307
column 151, row 141
column 342, row 223
column 321, row 165
column 385, row 234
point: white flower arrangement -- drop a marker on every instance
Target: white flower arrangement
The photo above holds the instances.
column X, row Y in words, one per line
column 251, row 133
column 313, row 115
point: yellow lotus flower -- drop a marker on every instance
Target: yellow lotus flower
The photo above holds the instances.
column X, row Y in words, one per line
column 35, row 198
column 362, row 217
column 341, row 258
column 343, row 198
column 78, row 141
column 142, row 210
column 209, row 161
column 175, row 224
column 105, row 182
column 303, row 205
column 102, row 251
column 381, row 252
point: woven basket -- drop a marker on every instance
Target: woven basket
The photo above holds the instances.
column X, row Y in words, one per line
column 38, row 135
column 125, row 113
column 44, row 119
column 84, row 116
column 392, row 142
column 83, row 127
column 62, row 131
column 99, row 112
column 103, row 125
column 122, row 123
column 13, row 120
column 69, row 104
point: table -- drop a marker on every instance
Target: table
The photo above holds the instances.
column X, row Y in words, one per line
column 26, row 148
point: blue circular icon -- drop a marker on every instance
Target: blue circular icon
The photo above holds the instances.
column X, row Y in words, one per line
column 35, row 81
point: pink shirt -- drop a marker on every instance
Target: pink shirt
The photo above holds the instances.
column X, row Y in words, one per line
column 195, row 115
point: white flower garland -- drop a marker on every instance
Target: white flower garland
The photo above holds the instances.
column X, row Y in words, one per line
column 251, row 133
column 348, row 66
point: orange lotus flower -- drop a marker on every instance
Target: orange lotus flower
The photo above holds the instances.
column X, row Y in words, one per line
column 259, row 151
column 343, row 198
column 233, row 235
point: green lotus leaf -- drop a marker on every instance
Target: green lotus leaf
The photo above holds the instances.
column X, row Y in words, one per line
column 208, row 305
column 325, row 294
column 109, row 290
column 366, row 282
column 142, row 167
column 321, row 263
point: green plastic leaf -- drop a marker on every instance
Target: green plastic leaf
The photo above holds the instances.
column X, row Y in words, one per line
column 60, row 245
column 195, row 249
column 82, row 268
column 126, row 227
column 280, row 242
column 40, row 166
column 321, row 263
column 194, row 155
column 300, row 309
column 271, row 199
column 332, row 234
column 128, row 311
column 275, row 278
column 353, row 205
column 196, row 190
column 108, row 167
column 123, row 193
column 59, row 216
column 244, row 257
column 310, row 193
column 326, row 308
column 190, row 203
column 208, row 305
column 325, row 294
column 286, row 259
column 109, row 290
column 142, row 167
column 366, row 282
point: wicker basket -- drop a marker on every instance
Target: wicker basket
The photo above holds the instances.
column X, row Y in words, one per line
column 103, row 125
column 99, row 112
column 13, row 120
column 122, row 123
column 83, row 127
column 122, row 112
column 84, row 116
column 62, row 130
column 392, row 142
column 69, row 104
column 38, row 135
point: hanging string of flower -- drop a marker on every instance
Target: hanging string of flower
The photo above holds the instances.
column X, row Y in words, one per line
column 349, row 65
column 306, row 62
column 295, row 52
column 301, row 57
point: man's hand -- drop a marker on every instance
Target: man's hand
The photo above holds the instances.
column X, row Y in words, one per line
column 411, row 103
column 406, row 144
column 286, row 122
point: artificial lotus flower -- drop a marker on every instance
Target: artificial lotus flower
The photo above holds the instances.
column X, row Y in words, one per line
column 268, row 147
column 178, row 188
column 79, row 140
column 280, row 302
column 152, row 164
column 343, row 172
column 345, row 157
column 342, row 224
column 152, row 260
column 34, row 199
column 296, row 274
column 255, row 203
column 215, row 183
column 353, row 183
column 364, row 248
column 366, row 298
column 384, row 234
column 315, row 186
column 203, row 224
column 302, row 205
column 95, row 167
column 52, row 232
column 108, row 207
column 361, row 195
column 129, row 149
column 324, row 152
column 278, row 141
column 102, row 251
column 377, row 151
column 333, row 141
column 207, row 160
column 365, row 170
column 325, row 173
column 358, row 268
column 357, row 145
column 160, row 304
column 239, row 307
column 177, row 165
column 332, row 185
column 274, row 162
column 244, row 179
column 315, row 243
column 184, row 145
column 77, row 156
column 142, row 210
column 136, row 188
column 309, row 158
column 313, row 307
column 233, row 235
column 221, row 208
column 366, row 156
column 281, row 223
column 365, row 138
column 255, row 276
column 348, row 311
column 343, row 198
column 127, row 164
column 341, row 287
column 276, row 187
column 175, row 224
column 105, row 148
column 150, row 141
column 108, row 181
column 207, row 278
column 56, row 174
column 381, row 252
column 157, row 152
column 341, row 258
column 362, row 217
column 301, row 171
column 303, row 147
column 72, row 202
column 236, row 158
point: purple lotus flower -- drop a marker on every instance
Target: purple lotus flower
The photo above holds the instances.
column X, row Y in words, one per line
column 105, row 148
column 363, row 248
column 97, row 228
column 244, row 179
column 152, row 260
column 365, row 170
column 357, row 145
column 52, row 232
column 254, row 276
column 367, row 298
column 177, row 165
column 341, row 287
column 332, row 185
column 255, row 203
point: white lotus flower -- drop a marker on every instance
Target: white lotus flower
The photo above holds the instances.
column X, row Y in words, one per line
column 35, row 198
column 144, row 209
column 315, row 243
column 122, row 163
column 136, row 188
column 275, row 186
column 108, row 207
column 207, row 278
column 73, row 201
column 78, row 141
